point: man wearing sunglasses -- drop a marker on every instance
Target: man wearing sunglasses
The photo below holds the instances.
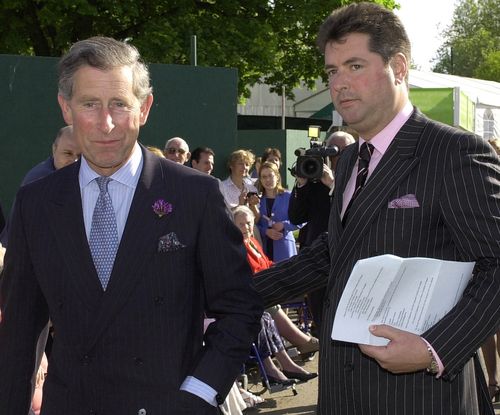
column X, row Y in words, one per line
column 177, row 150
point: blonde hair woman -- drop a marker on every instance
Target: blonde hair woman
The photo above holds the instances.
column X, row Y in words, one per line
column 274, row 225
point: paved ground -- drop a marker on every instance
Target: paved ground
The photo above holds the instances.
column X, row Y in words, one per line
column 284, row 402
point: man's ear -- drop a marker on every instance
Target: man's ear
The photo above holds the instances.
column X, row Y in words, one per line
column 66, row 109
column 145, row 107
column 400, row 67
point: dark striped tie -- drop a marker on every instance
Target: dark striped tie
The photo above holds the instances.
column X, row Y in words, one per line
column 364, row 156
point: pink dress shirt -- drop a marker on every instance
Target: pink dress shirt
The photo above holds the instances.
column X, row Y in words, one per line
column 381, row 143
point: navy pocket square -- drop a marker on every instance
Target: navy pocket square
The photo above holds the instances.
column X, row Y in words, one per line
column 169, row 243
column 404, row 202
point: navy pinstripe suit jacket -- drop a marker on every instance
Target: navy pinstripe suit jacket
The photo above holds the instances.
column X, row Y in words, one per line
column 455, row 177
column 130, row 347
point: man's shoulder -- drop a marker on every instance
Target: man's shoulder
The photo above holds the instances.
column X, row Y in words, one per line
column 431, row 127
column 39, row 171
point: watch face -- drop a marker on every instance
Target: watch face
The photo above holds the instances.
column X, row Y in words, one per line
column 433, row 366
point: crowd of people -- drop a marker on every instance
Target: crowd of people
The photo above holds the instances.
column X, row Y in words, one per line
column 136, row 282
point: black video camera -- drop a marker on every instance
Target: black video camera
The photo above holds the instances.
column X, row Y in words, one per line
column 309, row 164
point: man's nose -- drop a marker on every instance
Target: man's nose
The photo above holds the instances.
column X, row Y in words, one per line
column 106, row 120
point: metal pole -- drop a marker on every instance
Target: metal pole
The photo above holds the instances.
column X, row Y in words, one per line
column 283, row 108
column 194, row 58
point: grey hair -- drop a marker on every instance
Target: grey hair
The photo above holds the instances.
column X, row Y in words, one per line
column 103, row 53
column 242, row 209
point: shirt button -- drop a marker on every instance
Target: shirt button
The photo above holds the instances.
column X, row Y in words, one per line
column 141, row 411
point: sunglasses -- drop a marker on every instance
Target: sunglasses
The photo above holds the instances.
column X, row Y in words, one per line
column 172, row 150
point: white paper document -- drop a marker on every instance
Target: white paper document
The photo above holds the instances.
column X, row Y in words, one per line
column 411, row 294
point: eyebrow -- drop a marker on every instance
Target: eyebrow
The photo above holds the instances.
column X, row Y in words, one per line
column 349, row 61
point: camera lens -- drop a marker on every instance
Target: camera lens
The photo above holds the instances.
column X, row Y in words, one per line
column 310, row 167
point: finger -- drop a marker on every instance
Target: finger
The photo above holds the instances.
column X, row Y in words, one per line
column 383, row 330
column 373, row 351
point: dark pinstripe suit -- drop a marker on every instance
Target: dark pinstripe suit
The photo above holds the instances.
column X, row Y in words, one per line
column 456, row 179
column 131, row 347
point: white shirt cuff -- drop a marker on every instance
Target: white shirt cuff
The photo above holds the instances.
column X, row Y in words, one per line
column 200, row 389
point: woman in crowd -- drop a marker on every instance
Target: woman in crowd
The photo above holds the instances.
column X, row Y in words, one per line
column 269, row 341
column 271, row 155
column 238, row 188
column 274, row 226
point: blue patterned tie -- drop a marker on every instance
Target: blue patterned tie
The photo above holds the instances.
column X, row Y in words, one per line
column 103, row 239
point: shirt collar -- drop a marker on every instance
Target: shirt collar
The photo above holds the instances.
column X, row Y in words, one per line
column 128, row 174
column 383, row 139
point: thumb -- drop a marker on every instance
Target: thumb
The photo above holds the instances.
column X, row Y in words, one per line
column 383, row 330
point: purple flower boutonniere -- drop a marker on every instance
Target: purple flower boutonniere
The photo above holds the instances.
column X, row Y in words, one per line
column 162, row 208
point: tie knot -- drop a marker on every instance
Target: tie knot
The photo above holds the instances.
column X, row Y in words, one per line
column 366, row 151
column 102, row 182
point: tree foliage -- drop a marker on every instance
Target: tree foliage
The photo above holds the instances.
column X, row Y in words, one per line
column 267, row 41
column 472, row 42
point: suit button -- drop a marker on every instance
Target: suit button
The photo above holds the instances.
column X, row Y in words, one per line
column 138, row 361
column 159, row 300
column 86, row 361
column 92, row 412
column 141, row 411
column 348, row 367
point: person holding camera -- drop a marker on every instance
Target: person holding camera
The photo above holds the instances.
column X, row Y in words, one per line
column 310, row 202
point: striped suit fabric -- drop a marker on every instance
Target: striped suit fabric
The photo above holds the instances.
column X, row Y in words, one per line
column 455, row 177
column 128, row 349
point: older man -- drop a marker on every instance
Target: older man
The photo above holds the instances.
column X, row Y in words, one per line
column 124, row 261
column 176, row 149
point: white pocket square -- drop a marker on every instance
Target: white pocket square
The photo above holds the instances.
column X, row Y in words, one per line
column 169, row 243
column 404, row 202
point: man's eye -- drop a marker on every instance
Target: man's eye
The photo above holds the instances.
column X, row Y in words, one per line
column 331, row 72
column 356, row 67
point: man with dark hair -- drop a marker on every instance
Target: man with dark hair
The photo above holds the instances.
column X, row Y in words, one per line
column 202, row 159
column 411, row 187
column 124, row 261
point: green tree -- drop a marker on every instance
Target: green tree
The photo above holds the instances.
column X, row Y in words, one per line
column 471, row 41
column 267, row 41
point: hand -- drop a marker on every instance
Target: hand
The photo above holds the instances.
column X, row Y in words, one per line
column 405, row 353
column 279, row 226
column 242, row 198
column 273, row 234
column 327, row 177
column 301, row 181
column 253, row 200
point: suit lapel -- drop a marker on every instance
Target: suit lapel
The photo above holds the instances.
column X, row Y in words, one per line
column 65, row 217
column 138, row 244
column 342, row 176
column 399, row 160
